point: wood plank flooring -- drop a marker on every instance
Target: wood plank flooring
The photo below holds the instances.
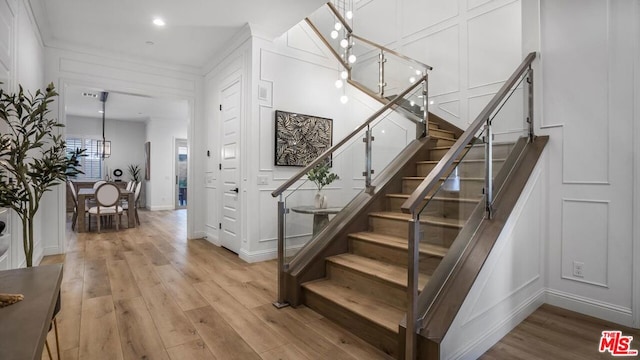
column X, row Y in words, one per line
column 149, row 293
column 555, row 333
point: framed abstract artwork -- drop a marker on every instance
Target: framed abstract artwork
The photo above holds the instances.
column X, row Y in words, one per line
column 300, row 138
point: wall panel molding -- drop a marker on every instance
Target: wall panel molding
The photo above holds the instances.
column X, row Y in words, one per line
column 586, row 221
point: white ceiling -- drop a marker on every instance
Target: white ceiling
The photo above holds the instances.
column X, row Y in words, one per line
column 196, row 30
column 121, row 106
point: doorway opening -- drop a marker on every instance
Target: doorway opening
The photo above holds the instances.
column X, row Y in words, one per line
column 181, row 159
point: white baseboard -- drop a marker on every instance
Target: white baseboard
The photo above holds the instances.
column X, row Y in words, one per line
column 199, row 235
column 257, row 256
column 160, row 207
column 475, row 349
column 599, row 309
column 212, row 239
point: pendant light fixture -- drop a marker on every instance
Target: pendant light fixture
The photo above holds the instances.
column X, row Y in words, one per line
column 104, row 146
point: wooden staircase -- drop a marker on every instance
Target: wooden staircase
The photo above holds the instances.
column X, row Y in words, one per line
column 365, row 288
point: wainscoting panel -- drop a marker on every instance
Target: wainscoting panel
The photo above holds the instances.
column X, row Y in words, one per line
column 585, row 222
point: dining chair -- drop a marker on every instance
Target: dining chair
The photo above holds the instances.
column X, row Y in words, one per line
column 97, row 184
column 107, row 198
column 136, row 196
column 74, row 196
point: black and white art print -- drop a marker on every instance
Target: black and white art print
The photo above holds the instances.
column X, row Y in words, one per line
column 300, row 139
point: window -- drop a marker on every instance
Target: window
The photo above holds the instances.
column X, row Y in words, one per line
column 91, row 164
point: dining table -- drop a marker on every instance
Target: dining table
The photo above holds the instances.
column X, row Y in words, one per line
column 90, row 193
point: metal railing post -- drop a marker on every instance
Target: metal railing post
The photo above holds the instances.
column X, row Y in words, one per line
column 368, row 171
column 281, row 302
column 381, row 84
column 425, row 105
column 530, row 102
column 411, row 347
column 488, row 183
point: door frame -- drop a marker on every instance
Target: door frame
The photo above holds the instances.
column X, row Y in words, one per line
column 176, row 189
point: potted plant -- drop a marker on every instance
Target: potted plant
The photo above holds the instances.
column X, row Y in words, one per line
column 321, row 176
column 33, row 158
column 134, row 172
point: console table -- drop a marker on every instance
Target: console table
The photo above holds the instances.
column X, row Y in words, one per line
column 25, row 324
column 320, row 216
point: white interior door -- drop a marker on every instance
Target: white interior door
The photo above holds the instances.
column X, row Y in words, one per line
column 229, row 165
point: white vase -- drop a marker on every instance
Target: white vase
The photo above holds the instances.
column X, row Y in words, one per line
column 320, row 200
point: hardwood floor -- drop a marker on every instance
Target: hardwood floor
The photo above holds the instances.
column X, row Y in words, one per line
column 555, row 333
column 148, row 293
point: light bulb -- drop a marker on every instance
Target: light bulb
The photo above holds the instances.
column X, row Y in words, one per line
column 352, row 59
column 412, row 80
column 412, row 103
column 431, row 102
column 344, row 75
column 338, row 26
column 344, row 43
column 334, row 34
column 349, row 14
column 339, row 84
column 344, row 99
column 418, row 72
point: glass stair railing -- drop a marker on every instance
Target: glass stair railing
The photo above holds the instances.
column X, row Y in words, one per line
column 380, row 72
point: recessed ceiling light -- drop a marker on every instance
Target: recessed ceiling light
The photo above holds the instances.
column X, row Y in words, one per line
column 158, row 22
column 100, row 111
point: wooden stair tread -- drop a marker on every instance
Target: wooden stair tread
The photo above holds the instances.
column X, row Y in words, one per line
column 365, row 306
column 461, row 178
column 457, row 161
column 385, row 271
column 399, row 243
column 433, row 220
column 440, row 198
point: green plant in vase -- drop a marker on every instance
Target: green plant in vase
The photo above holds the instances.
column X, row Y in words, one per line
column 134, row 172
column 321, row 176
column 33, row 157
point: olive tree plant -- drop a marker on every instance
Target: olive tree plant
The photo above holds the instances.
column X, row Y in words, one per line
column 33, row 156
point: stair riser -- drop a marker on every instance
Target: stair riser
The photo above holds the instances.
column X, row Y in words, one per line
column 445, row 142
column 441, row 133
column 468, row 188
column 370, row 332
column 376, row 288
column 392, row 255
column 433, row 234
column 441, row 208
column 500, row 151
column 465, row 169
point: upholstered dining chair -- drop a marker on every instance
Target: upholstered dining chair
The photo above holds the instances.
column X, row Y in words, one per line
column 133, row 207
column 97, row 184
column 107, row 200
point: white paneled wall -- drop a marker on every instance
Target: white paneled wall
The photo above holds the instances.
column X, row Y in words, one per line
column 473, row 46
column 589, row 53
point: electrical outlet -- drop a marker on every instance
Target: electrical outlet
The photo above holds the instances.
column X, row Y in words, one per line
column 578, row 269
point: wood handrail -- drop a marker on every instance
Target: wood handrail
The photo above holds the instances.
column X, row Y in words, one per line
column 433, row 178
column 331, row 150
